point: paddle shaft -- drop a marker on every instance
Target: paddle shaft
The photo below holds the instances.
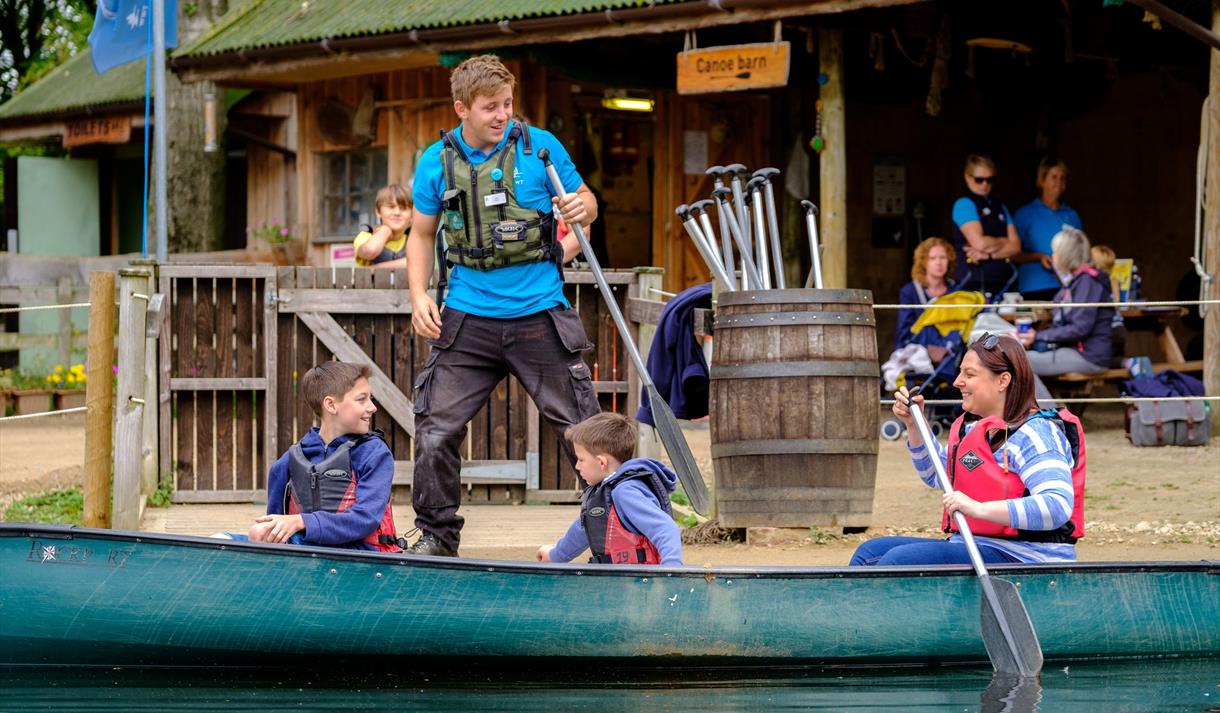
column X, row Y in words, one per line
column 602, row 285
column 989, row 595
column 811, row 227
column 963, row 527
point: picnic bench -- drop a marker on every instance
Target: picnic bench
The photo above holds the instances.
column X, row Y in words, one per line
column 1081, row 384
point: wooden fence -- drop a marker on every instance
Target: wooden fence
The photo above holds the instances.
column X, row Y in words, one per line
column 239, row 337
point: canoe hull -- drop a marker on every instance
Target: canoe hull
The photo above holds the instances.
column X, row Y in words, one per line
column 76, row 596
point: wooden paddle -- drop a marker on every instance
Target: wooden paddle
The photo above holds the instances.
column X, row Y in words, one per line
column 1012, row 644
column 667, row 424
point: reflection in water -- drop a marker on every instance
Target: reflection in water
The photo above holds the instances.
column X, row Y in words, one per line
column 1141, row 686
column 1012, row 694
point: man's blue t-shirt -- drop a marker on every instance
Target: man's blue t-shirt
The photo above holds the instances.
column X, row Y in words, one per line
column 1037, row 225
column 516, row 290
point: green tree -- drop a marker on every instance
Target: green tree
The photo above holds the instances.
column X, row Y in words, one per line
column 38, row 35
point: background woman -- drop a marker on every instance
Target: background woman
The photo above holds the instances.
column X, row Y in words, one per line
column 984, row 236
column 934, row 262
column 1079, row 339
column 1018, row 473
column 1037, row 223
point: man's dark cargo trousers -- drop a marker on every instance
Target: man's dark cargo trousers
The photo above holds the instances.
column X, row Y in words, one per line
column 465, row 364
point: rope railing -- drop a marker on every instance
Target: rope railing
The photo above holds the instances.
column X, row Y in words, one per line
column 1053, row 305
column 40, row 414
column 1080, row 400
column 38, row 308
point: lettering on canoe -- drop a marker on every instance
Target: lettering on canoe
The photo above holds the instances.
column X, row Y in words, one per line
column 61, row 553
column 734, row 68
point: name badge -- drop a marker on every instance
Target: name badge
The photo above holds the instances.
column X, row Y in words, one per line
column 498, row 196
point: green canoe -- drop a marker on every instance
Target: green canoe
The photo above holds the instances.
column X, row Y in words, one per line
column 79, row 596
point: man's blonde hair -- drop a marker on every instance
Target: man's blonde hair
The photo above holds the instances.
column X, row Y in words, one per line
column 606, row 433
column 479, row 76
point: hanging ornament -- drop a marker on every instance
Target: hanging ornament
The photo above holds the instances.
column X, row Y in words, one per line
column 818, row 142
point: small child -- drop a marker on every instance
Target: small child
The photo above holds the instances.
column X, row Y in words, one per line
column 386, row 246
column 1102, row 257
column 625, row 515
column 333, row 487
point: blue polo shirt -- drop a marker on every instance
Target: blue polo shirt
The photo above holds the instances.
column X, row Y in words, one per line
column 1037, row 225
column 516, row 290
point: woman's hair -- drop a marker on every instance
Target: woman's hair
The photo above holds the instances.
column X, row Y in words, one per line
column 978, row 159
column 1070, row 249
column 919, row 269
column 1103, row 258
column 1045, row 166
column 394, row 194
column 1008, row 355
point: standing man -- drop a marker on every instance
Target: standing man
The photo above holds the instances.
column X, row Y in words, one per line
column 505, row 312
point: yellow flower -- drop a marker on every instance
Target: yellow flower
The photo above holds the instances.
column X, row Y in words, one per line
column 50, row 378
column 59, row 368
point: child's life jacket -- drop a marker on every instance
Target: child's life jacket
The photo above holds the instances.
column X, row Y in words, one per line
column 610, row 542
column 330, row 486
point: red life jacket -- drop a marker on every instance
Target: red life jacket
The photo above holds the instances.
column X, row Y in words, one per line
column 330, row 486
column 610, row 542
column 973, row 470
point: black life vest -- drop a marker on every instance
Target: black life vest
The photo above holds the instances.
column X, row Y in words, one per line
column 330, row 486
column 610, row 542
column 989, row 275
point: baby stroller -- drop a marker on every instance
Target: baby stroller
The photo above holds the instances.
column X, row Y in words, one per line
column 948, row 329
column 936, row 329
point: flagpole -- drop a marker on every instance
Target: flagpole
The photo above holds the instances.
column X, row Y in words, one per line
column 159, row 128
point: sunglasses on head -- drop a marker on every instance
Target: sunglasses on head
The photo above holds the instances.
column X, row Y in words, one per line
column 991, row 342
column 982, row 179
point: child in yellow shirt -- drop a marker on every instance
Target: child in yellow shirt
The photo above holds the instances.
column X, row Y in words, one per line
column 386, row 245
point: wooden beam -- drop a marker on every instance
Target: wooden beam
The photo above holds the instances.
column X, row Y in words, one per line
column 249, row 383
column 1211, row 231
column 832, row 162
column 129, row 399
column 345, row 348
column 340, row 301
column 229, row 270
column 474, row 472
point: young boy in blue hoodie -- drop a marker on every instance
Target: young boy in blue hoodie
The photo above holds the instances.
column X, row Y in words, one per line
column 625, row 515
column 332, row 488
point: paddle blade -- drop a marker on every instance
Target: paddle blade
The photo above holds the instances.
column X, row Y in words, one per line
column 1008, row 633
column 679, row 452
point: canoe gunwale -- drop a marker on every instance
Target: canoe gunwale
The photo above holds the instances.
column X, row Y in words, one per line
column 62, row 532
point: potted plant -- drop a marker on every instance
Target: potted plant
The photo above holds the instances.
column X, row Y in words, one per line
column 279, row 237
column 69, row 386
column 30, row 393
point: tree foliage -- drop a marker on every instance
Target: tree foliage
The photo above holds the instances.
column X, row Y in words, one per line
column 38, row 35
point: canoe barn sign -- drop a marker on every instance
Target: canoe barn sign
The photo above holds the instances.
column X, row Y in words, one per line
column 733, row 68
column 98, row 130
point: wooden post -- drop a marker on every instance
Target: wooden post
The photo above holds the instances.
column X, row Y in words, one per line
column 99, row 400
column 1211, row 232
column 149, row 436
column 647, row 280
column 833, row 161
column 129, row 409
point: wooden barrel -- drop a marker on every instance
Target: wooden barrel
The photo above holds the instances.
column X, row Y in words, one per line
column 794, row 412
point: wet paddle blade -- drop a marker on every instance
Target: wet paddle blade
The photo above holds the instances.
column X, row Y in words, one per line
column 679, row 452
column 1008, row 633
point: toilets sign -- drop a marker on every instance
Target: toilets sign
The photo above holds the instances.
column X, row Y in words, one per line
column 733, row 68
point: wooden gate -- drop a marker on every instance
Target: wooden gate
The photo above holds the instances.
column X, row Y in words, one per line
column 241, row 337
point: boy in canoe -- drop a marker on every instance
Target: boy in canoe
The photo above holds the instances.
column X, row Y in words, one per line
column 332, row 488
column 625, row 515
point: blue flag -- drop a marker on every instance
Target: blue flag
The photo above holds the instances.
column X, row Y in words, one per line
column 122, row 31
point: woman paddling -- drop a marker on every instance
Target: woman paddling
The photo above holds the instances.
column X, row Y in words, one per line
column 1018, row 472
